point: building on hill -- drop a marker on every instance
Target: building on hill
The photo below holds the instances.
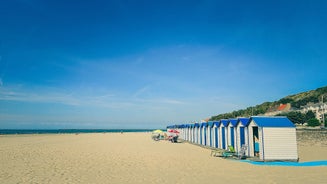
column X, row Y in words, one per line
column 280, row 109
column 284, row 107
column 318, row 108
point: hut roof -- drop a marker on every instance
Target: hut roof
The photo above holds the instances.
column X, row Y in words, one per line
column 277, row 121
column 196, row 125
column 224, row 122
column 233, row 122
column 210, row 124
column 204, row 124
column 244, row 121
column 217, row 123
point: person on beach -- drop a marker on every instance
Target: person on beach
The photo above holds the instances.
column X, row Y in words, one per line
column 256, row 146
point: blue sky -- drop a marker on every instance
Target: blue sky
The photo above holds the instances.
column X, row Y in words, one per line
column 148, row 64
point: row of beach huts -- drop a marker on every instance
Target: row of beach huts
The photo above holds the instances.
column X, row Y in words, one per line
column 265, row 138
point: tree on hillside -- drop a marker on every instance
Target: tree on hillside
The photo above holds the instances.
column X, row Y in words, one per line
column 285, row 100
column 309, row 115
column 322, row 90
column 313, row 122
column 295, row 117
column 296, row 101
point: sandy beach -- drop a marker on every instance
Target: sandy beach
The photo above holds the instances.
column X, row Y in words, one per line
column 136, row 158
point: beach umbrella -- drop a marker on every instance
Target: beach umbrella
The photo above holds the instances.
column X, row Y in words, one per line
column 157, row 131
column 173, row 131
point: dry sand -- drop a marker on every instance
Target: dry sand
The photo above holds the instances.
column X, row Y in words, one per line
column 135, row 158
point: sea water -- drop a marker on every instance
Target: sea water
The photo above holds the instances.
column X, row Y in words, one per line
column 68, row 131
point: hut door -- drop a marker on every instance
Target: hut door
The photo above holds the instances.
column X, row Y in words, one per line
column 223, row 138
column 205, row 136
column 256, row 141
column 242, row 136
column 201, row 135
column 210, row 136
column 216, row 137
column 232, row 136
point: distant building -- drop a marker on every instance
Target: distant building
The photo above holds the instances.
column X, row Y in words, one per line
column 284, row 107
column 318, row 108
column 280, row 109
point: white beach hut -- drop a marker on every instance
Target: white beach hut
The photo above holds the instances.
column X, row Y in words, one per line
column 210, row 134
column 196, row 133
column 224, row 133
column 216, row 134
column 242, row 134
column 232, row 133
column 188, row 134
column 203, row 133
column 192, row 133
column 272, row 138
column 183, row 128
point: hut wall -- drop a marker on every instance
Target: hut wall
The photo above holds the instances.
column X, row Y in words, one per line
column 279, row 143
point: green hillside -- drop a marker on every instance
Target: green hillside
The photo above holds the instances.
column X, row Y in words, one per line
column 296, row 101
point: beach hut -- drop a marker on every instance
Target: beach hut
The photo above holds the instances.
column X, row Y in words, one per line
column 224, row 133
column 196, row 133
column 183, row 131
column 272, row 138
column 203, row 133
column 187, row 130
column 210, row 134
column 242, row 134
column 232, row 133
column 216, row 134
column 191, row 133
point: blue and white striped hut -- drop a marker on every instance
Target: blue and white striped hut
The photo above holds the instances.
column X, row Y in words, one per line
column 192, row 139
column 272, row 138
column 183, row 128
column 203, row 133
column 224, row 133
column 185, row 131
column 216, row 134
column 232, row 135
column 188, row 132
column 196, row 133
column 210, row 134
column 242, row 134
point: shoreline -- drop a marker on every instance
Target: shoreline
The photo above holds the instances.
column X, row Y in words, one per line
column 67, row 131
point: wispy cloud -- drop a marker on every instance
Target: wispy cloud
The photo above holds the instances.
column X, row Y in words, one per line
column 108, row 100
column 141, row 91
column 18, row 94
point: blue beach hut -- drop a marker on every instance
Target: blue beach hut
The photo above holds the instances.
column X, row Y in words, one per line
column 196, row 133
column 242, row 134
column 224, row 133
column 210, row 134
column 192, row 133
column 188, row 132
column 182, row 131
column 216, row 136
column 232, row 133
column 203, row 138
